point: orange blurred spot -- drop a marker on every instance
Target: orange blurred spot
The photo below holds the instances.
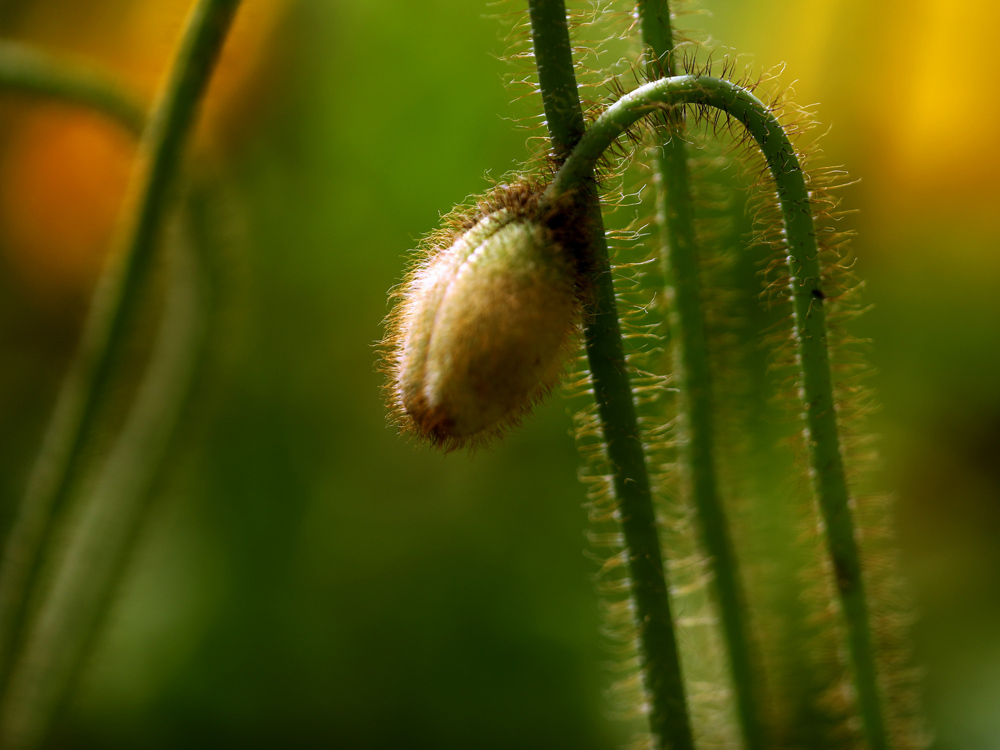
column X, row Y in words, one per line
column 64, row 171
column 62, row 180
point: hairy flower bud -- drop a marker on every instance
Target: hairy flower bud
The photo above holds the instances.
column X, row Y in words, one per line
column 482, row 330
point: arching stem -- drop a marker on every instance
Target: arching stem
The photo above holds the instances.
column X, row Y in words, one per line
column 819, row 412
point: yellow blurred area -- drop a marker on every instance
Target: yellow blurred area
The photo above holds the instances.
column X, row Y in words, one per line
column 948, row 120
column 64, row 171
column 910, row 78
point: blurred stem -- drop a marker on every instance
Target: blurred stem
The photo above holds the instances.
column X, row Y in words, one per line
column 93, row 562
column 826, row 462
column 28, row 70
column 679, row 253
column 116, row 301
column 623, row 443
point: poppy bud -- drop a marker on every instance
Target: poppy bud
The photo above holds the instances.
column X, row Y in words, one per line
column 482, row 330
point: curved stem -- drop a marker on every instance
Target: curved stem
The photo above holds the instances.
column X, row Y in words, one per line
column 28, row 70
column 91, row 566
column 658, row 655
column 116, row 301
column 819, row 412
column 679, row 254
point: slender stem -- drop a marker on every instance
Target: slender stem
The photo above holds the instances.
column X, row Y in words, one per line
column 656, row 27
column 116, row 301
column 819, row 412
column 658, row 655
column 679, row 253
column 89, row 569
column 556, row 77
column 28, row 70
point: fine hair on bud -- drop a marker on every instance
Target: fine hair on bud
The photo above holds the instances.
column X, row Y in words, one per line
column 484, row 322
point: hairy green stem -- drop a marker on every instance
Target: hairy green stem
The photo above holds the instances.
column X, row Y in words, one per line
column 116, row 302
column 658, row 655
column 679, row 253
column 28, row 70
column 826, row 462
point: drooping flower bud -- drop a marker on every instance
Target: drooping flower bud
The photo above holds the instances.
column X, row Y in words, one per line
column 482, row 330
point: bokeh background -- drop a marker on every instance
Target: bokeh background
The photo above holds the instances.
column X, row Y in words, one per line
column 307, row 578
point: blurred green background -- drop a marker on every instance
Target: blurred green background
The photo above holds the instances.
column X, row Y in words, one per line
column 309, row 579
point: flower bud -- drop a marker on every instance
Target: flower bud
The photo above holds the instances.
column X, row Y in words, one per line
column 482, row 331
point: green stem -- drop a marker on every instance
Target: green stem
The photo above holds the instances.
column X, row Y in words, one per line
column 826, row 462
column 657, row 35
column 679, row 252
column 31, row 71
column 116, row 302
column 92, row 564
column 658, row 653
